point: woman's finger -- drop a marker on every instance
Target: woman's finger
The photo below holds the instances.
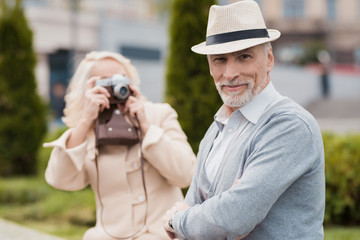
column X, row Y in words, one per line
column 135, row 91
column 128, row 103
column 91, row 82
column 98, row 101
column 103, row 102
column 99, row 90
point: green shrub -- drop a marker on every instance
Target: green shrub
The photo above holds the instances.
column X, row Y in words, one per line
column 189, row 86
column 342, row 172
column 21, row 191
column 28, row 199
column 32, row 199
column 22, row 112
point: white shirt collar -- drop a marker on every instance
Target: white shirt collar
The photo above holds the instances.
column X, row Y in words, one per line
column 253, row 110
column 221, row 116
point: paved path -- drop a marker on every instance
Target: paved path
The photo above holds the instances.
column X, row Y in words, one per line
column 335, row 108
column 337, row 115
column 340, row 112
column 304, row 87
column 13, row 231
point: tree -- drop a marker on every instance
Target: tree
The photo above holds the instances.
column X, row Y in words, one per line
column 22, row 112
column 189, row 86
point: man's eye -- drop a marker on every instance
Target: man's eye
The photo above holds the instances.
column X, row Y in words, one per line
column 219, row 59
column 245, row 56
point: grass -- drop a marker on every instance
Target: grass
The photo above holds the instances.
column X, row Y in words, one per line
column 64, row 230
column 33, row 203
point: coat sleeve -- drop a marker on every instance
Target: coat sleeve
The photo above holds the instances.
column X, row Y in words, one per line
column 66, row 167
column 166, row 148
column 280, row 154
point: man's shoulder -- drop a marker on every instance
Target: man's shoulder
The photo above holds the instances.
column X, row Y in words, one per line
column 289, row 107
column 287, row 113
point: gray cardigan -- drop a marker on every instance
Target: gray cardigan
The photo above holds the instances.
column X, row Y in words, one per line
column 281, row 191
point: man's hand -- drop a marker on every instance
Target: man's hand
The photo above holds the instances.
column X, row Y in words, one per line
column 241, row 237
column 170, row 214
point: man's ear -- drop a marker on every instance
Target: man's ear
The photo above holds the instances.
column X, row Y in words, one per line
column 210, row 69
column 270, row 60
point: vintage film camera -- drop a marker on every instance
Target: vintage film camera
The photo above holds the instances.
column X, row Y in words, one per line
column 118, row 87
column 111, row 127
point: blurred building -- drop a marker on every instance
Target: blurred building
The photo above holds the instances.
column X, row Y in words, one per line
column 332, row 22
column 65, row 30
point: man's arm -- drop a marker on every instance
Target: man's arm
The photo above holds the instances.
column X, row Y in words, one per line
column 283, row 152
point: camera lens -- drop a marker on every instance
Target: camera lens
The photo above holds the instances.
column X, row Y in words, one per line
column 121, row 91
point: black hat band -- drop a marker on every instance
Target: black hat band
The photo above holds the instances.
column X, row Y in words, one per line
column 235, row 36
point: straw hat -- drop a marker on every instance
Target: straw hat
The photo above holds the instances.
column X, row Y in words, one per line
column 235, row 27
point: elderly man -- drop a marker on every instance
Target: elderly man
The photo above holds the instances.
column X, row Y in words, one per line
column 260, row 169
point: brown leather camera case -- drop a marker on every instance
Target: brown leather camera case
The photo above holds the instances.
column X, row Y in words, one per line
column 111, row 128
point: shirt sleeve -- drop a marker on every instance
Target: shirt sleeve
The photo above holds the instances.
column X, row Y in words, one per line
column 66, row 167
column 280, row 153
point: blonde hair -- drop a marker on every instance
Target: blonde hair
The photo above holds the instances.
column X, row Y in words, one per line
column 77, row 87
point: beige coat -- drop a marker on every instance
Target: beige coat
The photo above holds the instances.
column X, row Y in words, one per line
column 169, row 166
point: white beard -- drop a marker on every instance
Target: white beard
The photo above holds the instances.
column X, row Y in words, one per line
column 233, row 99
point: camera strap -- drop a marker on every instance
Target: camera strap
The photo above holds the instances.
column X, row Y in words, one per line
column 142, row 160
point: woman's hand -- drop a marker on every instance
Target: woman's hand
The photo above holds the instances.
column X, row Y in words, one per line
column 95, row 100
column 134, row 107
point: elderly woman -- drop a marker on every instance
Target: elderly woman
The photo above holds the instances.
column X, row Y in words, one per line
column 134, row 184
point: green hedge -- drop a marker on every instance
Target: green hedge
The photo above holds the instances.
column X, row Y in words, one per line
column 31, row 201
column 189, row 87
column 342, row 171
column 22, row 111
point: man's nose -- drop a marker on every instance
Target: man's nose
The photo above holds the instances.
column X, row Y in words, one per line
column 231, row 70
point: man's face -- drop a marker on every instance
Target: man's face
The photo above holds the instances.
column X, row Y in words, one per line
column 240, row 76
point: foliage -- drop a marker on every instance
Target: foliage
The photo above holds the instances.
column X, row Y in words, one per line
column 16, row 191
column 342, row 168
column 31, row 201
column 311, row 50
column 22, row 112
column 189, row 87
column 342, row 233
